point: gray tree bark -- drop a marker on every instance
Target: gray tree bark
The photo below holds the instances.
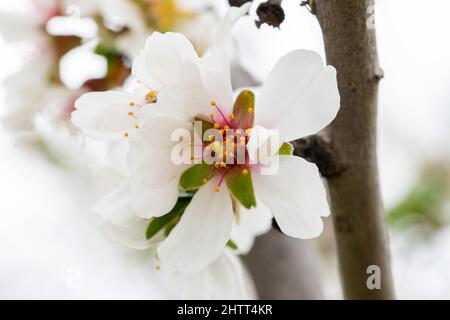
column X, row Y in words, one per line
column 283, row 268
column 357, row 209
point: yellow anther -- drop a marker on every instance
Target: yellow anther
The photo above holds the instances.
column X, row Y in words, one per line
column 217, row 189
column 245, row 172
column 205, row 180
column 158, row 267
column 242, row 139
column 213, row 103
column 231, row 116
column 125, row 134
column 136, row 126
column 223, row 164
column 211, row 137
column 225, row 127
column 222, row 131
column 250, row 110
column 192, row 157
column 248, row 131
column 211, row 115
column 132, row 103
column 131, row 113
column 216, row 125
column 151, row 96
column 216, row 165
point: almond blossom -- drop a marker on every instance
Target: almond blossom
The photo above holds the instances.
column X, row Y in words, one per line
column 299, row 98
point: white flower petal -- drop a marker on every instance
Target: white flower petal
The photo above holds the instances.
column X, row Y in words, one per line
column 118, row 11
column 296, row 197
column 19, row 28
column 150, row 155
column 251, row 224
column 199, row 31
column 155, row 176
column 154, row 202
column 154, row 167
column 168, row 104
column 319, row 106
column 27, row 92
column 160, row 63
column 205, row 82
column 202, row 233
column 263, row 144
column 300, row 96
column 118, row 221
column 141, row 72
column 104, row 115
column 222, row 34
column 216, row 77
column 132, row 236
column 224, row 279
column 115, row 207
column 194, row 91
column 157, row 131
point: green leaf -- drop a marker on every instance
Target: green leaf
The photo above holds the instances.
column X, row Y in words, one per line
column 195, row 176
column 171, row 225
column 286, row 149
column 206, row 125
column 159, row 223
column 244, row 110
column 241, row 187
column 232, row 245
column 423, row 204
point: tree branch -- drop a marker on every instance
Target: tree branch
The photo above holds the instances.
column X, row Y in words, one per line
column 352, row 176
column 318, row 149
column 273, row 262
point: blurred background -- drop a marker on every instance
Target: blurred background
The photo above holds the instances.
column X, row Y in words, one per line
column 49, row 246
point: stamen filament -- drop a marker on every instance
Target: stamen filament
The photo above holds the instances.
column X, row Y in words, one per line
column 214, row 104
column 217, row 189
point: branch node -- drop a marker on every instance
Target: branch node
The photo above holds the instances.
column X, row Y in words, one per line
column 379, row 74
column 318, row 150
